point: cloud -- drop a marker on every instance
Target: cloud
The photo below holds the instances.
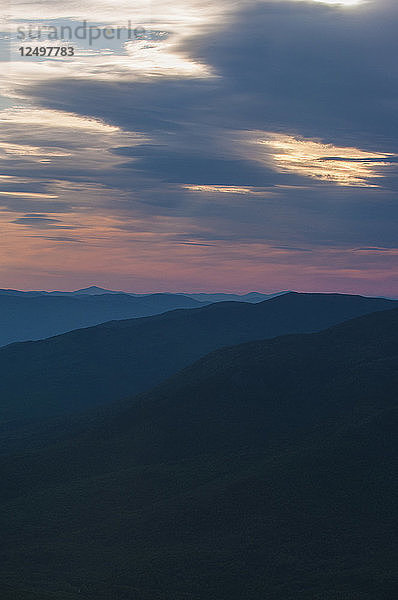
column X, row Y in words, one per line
column 39, row 221
column 324, row 162
column 62, row 239
column 254, row 135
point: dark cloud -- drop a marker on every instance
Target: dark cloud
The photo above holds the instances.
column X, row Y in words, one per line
column 294, row 66
column 21, row 205
column 40, row 221
column 59, row 238
column 292, row 248
column 192, row 168
column 311, row 69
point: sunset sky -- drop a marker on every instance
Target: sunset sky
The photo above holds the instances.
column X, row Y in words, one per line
column 232, row 146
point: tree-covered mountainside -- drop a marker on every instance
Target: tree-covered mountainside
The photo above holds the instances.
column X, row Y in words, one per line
column 92, row 366
column 264, row 470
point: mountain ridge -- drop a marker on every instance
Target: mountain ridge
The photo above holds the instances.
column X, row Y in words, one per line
column 92, row 366
column 25, row 318
column 95, row 290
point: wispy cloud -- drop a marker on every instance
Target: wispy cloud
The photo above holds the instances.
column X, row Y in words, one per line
column 325, row 162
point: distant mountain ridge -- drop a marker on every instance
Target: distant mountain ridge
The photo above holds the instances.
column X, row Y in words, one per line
column 35, row 315
column 263, row 470
column 89, row 291
column 225, row 297
column 24, row 318
column 94, row 290
column 88, row 367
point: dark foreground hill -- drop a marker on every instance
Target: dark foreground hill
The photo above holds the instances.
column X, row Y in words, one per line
column 88, row 367
column 27, row 317
column 264, row 471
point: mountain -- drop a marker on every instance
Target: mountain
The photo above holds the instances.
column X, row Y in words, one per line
column 264, row 470
column 20, row 293
column 98, row 291
column 90, row 291
column 201, row 297
column 93, row 290
column 36, row 317
column 250, row 297
column 89, row 367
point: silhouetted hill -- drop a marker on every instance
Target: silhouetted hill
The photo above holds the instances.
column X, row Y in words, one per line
column 37, row 317
column 88, row 367
column 264, row 470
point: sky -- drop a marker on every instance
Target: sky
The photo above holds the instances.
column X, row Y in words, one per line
column 200, row 145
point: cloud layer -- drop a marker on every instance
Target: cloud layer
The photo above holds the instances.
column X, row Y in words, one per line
column 254, row 146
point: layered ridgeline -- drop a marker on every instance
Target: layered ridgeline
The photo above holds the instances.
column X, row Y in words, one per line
column 32, row 317
column 264, row 470
column 97, row 291
column 37, row 315
column 85, row 368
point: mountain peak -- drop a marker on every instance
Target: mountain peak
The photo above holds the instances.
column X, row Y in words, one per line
column 95, row 290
